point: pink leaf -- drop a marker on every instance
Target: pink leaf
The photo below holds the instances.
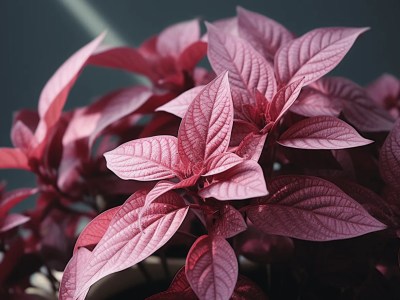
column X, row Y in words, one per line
column 206, row 127
column 56, row 90
column 227, row 26
column 312, row 103
column 11, row 221
column 74, row 269
column 243, row 181
column 180, row 104
column 248, row 70
column 322, row 132
column 13, row 158
column 116, row 106
column 145, row 159
column 124, row 244
column 389, row 160
column 192, row 55
column 22, row 137
column 311, row 208
column 94, row 231
column 264, row 34
column 220, row 163
column 285, row 98
column 122, row 58
column 358, row 108
column 229, row 222
column 173, row 40
column 212, row 268
column 252, row 146
column 12, row 198
column 314, row 54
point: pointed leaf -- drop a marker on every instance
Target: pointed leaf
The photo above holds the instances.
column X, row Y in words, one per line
column 145, row 159
column 314, row 54
column 11, row 221
column 389, row 160
column 192, row 55
column 116, row 106
column 124, row 244
column 285, row 98
column 358, row 108
column 248, row 70
column 56, row 90
column 312, row 103
column 173, row 40
column 12, row 198
column 322, row 132
column 94, row 231
column 229, row 222
column 22, row 137
column 264, row 34
column 243, row 181
column 206, row 127
column 13, row 158
column 220, row 163
column 72, row 272
column 123, row 58
column 252, row 146
column 180, row 104
column 311, row 208
column 212, row 268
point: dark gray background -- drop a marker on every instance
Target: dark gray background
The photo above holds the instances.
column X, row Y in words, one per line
column 37, row 36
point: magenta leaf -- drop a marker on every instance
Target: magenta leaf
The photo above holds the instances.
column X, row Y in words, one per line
column 124, row 244
column 314, row 54
column 206, row 127
column 73, row 270
column 192, row 55
column 248, row 70
column 311, row 208
column 243, row 181
column 212, row 268
column 312, row 103
column 12, row 198
column 220, row 163
column 122, row 58
column 13, row 158
column 264, row 34
column 145, row 159
column 56, row 90
column 389, row 160
column 322, row 132
column 94, row 231
column 229, row 222
column 11, row 221
column 285, row 98
column 22, row 137
column 251, row 146
column 173, row 40
column 180, row 104
column 358, row 108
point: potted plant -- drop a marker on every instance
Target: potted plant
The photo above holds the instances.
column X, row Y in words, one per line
column 271, row 179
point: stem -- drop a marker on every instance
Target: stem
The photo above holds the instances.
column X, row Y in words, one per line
column 144, row 271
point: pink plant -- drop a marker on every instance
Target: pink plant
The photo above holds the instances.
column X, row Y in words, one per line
column 257, row 159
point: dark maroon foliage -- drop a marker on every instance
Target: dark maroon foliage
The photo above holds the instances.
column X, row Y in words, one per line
column 272, row 179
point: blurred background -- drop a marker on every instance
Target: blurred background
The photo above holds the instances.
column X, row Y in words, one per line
column 39, row 35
